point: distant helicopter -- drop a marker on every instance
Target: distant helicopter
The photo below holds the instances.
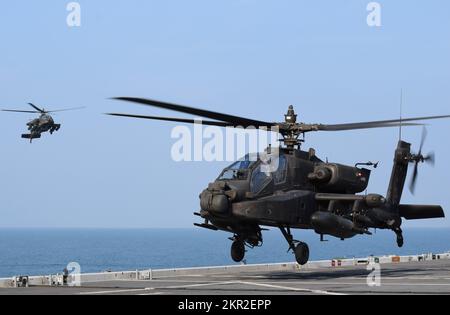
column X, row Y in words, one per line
column 304, row 192
column 44, row 123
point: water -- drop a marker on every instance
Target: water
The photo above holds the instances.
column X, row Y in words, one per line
column 48, row 251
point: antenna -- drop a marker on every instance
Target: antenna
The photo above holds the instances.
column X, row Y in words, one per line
column 401, row 114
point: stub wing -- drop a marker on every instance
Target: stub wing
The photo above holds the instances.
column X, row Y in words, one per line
column 31, row 136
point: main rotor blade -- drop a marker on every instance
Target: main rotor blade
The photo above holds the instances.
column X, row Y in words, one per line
column 20, row 111
column 234, row 120
column 65, row 110
column 181, row 120
column 36, row 108
column 377, row 124
column 357, row 126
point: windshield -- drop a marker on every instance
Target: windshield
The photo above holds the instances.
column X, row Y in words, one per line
column 259, row 180
column 240, row 169
column 264, row 174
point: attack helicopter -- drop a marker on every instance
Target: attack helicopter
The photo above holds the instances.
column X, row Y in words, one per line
column 303, row 191
column 44, row 123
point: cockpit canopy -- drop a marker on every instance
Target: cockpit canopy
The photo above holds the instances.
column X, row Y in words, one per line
column 259, row 174
column 240, row 169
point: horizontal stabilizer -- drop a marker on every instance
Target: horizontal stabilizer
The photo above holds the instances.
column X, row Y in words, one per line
column 417, row 212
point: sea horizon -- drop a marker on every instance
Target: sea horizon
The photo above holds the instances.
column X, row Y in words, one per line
column 43, row 251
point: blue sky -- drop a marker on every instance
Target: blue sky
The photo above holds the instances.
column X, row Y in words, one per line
column 248, row 57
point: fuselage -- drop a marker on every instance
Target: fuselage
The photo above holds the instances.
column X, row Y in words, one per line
column 301, row 191
column 251, row 193
column 42, row 124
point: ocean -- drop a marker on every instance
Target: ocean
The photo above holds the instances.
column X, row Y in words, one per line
column 48, row 251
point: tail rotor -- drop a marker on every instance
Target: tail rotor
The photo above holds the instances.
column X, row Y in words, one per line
column 420, row 158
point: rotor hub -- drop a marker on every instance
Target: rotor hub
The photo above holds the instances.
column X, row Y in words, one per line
column 291, row 117
column 291, row 130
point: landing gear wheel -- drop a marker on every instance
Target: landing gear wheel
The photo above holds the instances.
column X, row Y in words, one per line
column 399, row 233
column 238, row 251
column 302, row 253
column 400, row 241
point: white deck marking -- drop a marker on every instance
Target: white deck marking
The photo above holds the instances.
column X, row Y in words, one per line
column 162, row 280
column 155, row 293
column 289, row 288
column 116, row 291
column 200, row 285
column 383, row 283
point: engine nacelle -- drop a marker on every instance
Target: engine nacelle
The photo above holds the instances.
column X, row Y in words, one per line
column 337, row 178
column 332, row 224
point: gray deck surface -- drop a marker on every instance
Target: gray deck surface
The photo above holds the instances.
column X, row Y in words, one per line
column 429, row 277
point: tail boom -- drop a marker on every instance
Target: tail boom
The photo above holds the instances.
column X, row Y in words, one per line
column 399, row 173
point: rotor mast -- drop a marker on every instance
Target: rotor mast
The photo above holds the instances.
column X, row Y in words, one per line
column 290, row 130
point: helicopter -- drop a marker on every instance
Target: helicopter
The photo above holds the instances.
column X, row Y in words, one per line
column 44, row 123
column 303, row 191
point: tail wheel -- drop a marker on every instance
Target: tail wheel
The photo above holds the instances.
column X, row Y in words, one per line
column 238, row 251
column 302, row 253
